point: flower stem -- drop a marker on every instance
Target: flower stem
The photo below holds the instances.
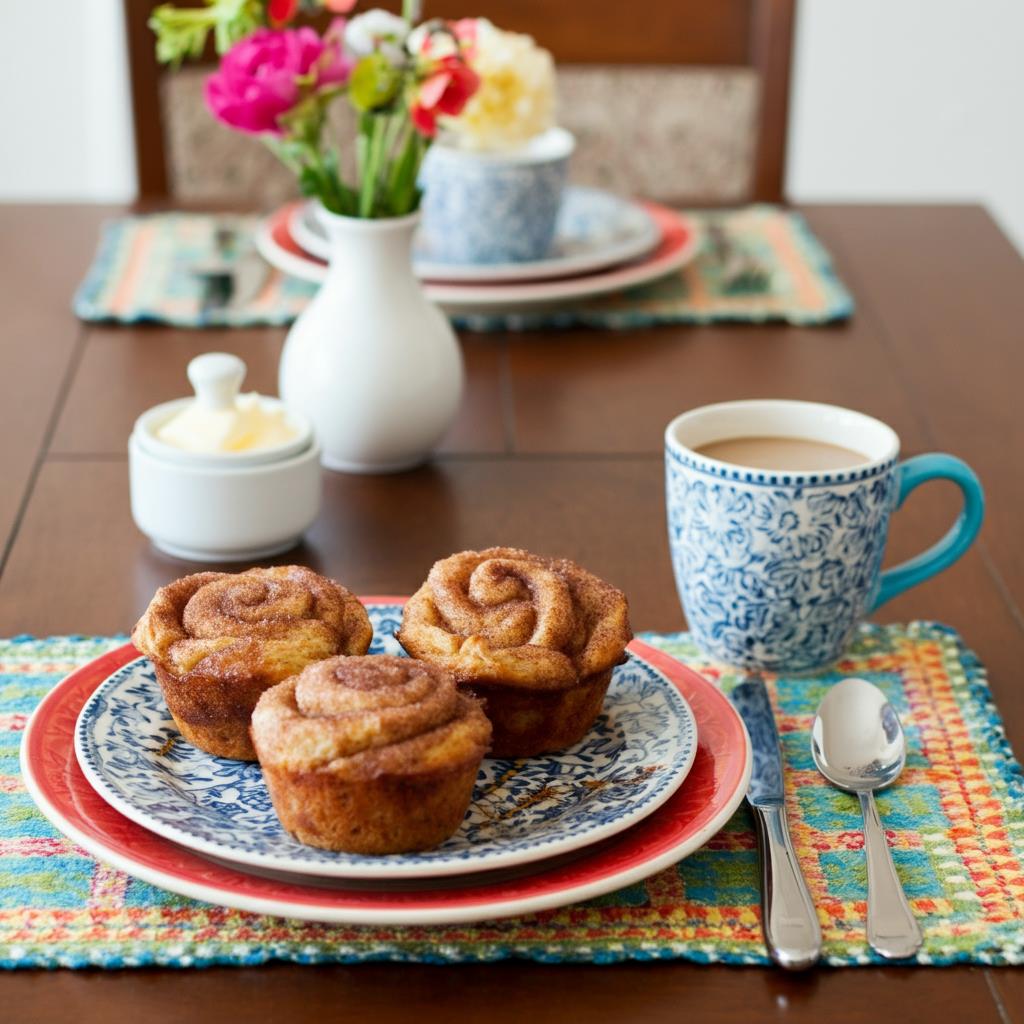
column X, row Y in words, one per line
column 403, row 195
column 370, row 169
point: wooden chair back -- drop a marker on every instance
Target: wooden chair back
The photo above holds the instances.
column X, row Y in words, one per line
column 712, row 34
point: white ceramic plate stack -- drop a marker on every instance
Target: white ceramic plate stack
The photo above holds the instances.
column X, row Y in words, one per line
column 603, row 243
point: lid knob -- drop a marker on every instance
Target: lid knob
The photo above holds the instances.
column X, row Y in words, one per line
column 217, row 378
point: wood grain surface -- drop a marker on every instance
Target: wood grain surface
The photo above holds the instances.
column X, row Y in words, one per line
column 558, row 449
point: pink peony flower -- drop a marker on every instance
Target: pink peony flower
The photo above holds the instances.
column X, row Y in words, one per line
column 266, row 74
column 446, row 91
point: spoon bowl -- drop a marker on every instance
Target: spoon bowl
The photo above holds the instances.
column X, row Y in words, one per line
column 857, row 743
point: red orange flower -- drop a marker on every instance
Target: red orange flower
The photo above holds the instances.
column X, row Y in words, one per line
column 446, row 90
column 280, row 12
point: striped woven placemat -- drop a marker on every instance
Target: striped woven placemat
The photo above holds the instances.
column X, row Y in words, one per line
column 955, row 821
column 775, row 270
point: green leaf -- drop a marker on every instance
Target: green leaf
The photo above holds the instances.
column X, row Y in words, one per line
column 309, row 182
column 179, row 34
column 182, row 32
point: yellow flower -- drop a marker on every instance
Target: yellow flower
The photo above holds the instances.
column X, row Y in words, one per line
column 516, row 98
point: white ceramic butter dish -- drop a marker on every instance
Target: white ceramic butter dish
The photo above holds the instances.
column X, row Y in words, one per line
column 218, row 506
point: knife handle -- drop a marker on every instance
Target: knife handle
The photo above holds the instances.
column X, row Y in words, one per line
column 791, row 930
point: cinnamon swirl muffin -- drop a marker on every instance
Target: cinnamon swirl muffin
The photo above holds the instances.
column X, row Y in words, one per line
column 218, row 640
column 536, row 638
column 370, row 755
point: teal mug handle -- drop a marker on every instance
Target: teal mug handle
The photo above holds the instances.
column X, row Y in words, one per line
column 943, row 554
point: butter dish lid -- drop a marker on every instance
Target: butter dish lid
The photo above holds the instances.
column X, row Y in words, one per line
column 219, row 426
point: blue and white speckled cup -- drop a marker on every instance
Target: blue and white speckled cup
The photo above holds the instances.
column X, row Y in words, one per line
column 486, row 207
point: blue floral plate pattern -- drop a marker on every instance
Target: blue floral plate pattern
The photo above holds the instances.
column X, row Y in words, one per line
column 636, row 756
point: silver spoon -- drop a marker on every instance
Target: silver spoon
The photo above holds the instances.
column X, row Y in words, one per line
column 858, row 745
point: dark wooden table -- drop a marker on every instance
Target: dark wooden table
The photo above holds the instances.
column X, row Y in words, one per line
column 558, row 449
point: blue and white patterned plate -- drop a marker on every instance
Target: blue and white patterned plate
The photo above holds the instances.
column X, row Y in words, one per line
column 633, row 760
column 595, row 229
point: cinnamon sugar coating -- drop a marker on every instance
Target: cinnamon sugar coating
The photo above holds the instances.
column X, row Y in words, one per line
column 509, row 616
column 370, row 754
column 536, row 637
column 218, row 640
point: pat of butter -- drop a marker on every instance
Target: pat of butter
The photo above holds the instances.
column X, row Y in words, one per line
column 247, row 425
column 219, row 419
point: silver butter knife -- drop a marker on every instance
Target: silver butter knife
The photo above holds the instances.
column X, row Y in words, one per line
column 791, row 930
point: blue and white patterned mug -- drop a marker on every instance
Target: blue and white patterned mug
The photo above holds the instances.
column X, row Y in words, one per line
column 493, row 207
column 776, row 568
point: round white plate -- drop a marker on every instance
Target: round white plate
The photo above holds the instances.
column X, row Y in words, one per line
column 678, row 243
column 634, row 759
column 595, row 230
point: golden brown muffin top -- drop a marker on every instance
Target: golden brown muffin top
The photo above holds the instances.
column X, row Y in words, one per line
column 364, row 717
column 263, row 623
column 506, row 615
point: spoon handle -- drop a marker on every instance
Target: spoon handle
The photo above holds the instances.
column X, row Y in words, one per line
column 893, row 930
column 791, row 930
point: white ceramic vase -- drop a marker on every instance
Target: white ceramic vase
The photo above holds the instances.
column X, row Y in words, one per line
column 371, row 361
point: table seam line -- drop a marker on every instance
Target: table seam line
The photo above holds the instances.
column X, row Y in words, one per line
column 860, row 290
column 1000, row 584
column 996, row 996
column 924, row 422
column 44, row 445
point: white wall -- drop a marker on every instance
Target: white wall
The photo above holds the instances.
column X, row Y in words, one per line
column 64, row 102
column 910, row 100
column 904, row 100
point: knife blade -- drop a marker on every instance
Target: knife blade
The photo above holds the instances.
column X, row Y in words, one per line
column 791, row 929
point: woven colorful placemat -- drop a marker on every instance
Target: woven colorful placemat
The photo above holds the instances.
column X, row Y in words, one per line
column 955, row 821
column 772, row 268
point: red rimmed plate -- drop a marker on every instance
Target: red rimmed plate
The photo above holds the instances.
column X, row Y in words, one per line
column 678, row 245
column 712, row 791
